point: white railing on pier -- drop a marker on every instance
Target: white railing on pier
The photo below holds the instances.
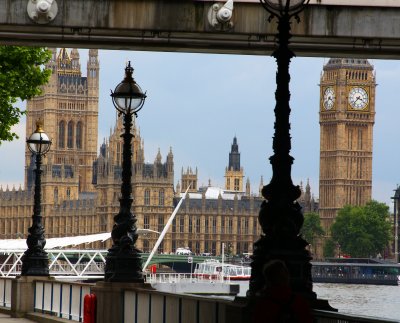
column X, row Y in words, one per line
column 66, row 300
column 5, row 292
column 61, row 299
column 182, row 277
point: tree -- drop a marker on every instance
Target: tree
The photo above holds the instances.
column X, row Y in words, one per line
column 362, row 231
column 329, row 248
column 21, row 75
column 312, row 228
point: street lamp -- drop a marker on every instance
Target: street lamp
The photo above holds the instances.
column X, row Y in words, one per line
column 123, row 261
column 35, row 261
column 280, row 215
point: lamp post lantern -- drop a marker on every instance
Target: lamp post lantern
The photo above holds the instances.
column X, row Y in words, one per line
column 123, row 261
column 35, row 261
column 280, row 216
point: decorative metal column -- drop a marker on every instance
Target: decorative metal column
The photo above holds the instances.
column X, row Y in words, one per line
column 35, row 261
column 280, row 216
column 123, row 260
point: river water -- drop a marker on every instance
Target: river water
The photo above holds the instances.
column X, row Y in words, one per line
column 366, row 300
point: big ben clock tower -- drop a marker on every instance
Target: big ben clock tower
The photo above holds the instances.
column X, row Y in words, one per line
column 347, row 114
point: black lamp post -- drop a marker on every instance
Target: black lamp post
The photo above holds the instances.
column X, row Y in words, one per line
column 35, row 261
column 280, row 216
column 123, row 261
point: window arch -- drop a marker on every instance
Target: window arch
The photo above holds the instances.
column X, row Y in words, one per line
column 78, row 135
column 70, row 136
column 147, row 197
column 61, row 134
column 161, row 197
column 56, row 195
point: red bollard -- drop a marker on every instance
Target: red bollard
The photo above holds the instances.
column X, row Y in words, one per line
column 89, row 308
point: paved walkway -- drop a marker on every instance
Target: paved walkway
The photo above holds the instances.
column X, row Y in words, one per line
column 4, row 318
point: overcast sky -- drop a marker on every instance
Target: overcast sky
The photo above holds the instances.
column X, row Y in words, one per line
column 197, row 103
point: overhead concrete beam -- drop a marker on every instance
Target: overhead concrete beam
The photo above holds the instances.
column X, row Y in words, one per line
column 183, row 25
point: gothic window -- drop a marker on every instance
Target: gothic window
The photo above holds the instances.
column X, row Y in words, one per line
column 56, row 195
column 61, row 134
column 146, row 246
column 182, row 224
column 254, row 226
column 246, row 226
column 214, row 225
column 70, row 141
column 147, row 197
column 79, row 135
column 146, row 222
column 246, row 247
column 161, row 197
column 68, row 193
column 173, row 245
column 197, row 249
column 190, row 225
column 197, row 225
column 236, row 188
column 213, row 248
column 222, row 224
column 174, row 225
column 206, row 248
column 238, row 248
column 160, row 223
column 228, row 183
column 239, row 226
column 230, row 226
column 206, row 225
column 161, row 247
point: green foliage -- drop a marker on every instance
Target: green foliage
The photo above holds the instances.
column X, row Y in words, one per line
column 21, row 75
column 312, row 228
column 362, row 231
column 329, row 248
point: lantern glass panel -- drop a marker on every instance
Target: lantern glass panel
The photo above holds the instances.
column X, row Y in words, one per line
column 39, row 142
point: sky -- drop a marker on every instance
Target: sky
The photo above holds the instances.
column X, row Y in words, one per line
column 197, row 103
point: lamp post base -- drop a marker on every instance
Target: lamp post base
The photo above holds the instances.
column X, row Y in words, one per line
column 123, row 266
column 296, row 258
column 35, row 264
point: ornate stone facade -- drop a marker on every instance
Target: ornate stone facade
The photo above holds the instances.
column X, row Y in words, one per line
column 347, row 114
column 81, row 188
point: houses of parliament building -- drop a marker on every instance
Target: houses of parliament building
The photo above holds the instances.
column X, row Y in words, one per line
column 81, row 186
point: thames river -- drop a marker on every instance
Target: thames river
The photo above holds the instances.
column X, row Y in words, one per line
column 365, row 300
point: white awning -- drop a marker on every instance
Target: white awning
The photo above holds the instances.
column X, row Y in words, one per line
column 54, row 243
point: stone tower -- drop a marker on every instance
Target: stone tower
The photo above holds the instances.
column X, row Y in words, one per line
column 347, row 113
column 189, row 178
column 68, row 108
column 234, row 173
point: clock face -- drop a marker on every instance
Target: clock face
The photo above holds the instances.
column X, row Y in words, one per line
column 329, row 98
column 358, row 98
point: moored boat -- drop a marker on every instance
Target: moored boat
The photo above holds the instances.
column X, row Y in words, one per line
column 351, row 271
column 213, row 269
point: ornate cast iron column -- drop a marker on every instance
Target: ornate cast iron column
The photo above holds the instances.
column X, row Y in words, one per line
column 123, row 261
column 280, row 216
column 35, row 261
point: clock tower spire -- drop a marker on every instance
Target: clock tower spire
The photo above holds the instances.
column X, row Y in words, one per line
column 347, row 115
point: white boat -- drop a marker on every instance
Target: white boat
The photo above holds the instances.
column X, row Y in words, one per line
column 189, row 284
column 213, row 269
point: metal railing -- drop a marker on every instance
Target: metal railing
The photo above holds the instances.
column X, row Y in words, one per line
column 5, row 292
column 61, row 299
column 66, row 300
